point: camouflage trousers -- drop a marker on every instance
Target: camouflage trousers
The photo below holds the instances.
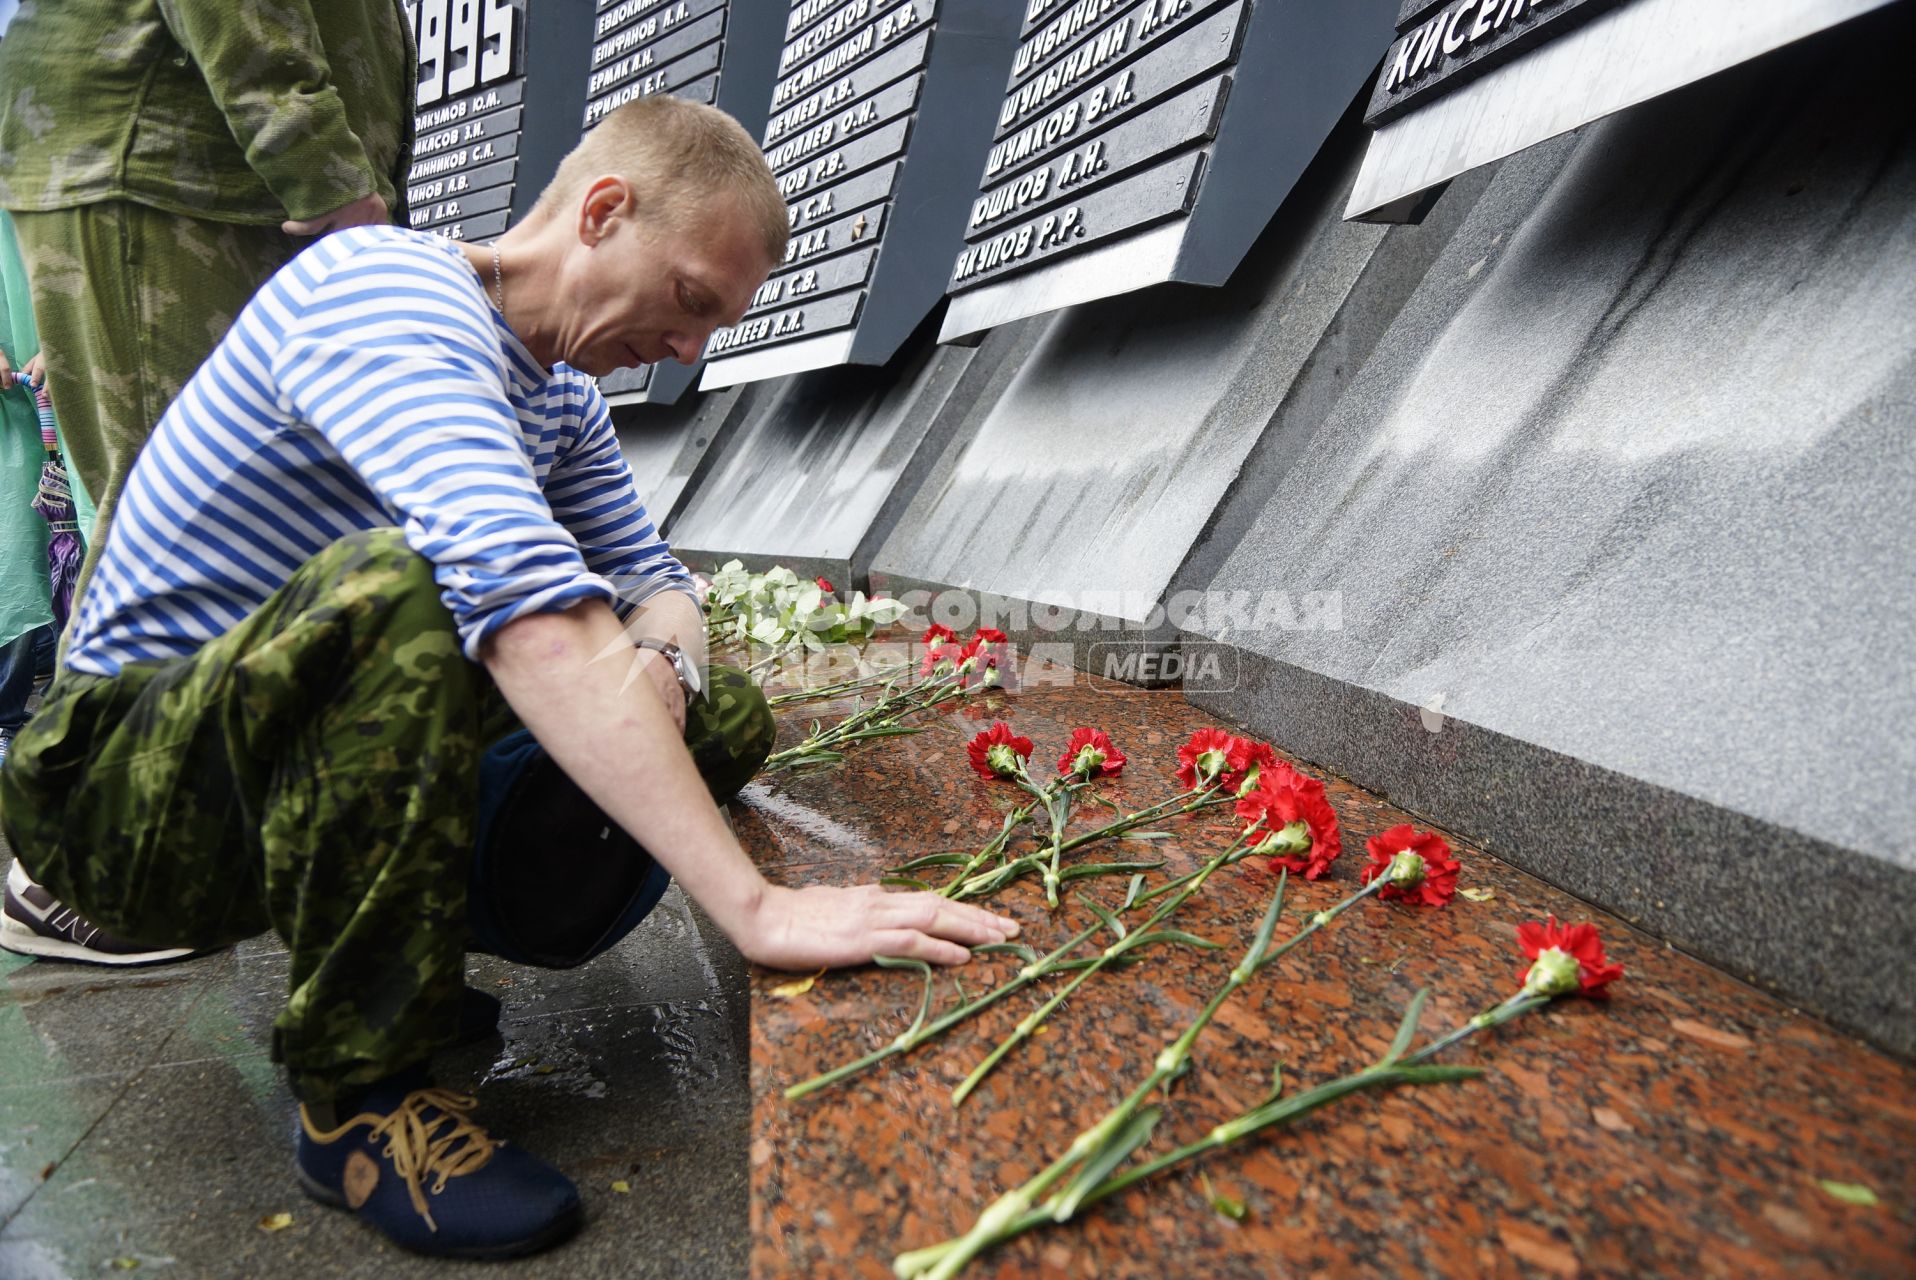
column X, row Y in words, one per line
column 313, row 771
column 130, row 300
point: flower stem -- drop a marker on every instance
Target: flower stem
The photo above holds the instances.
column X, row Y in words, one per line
column 1029, row 1026
column 1029, row 974
column 1012, row 1212
column 982, row 884
column 839, row 689
column 992, row 848
column 882, row 719
column 1389, row 1072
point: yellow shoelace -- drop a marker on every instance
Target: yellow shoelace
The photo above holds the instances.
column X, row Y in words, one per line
column 460, row 1146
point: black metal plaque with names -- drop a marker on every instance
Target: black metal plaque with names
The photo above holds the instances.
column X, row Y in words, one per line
column 468, row 108
column 876, row 109
column 685, row 49
column 721, row 52
column 1139, row 142
column 1441, row 46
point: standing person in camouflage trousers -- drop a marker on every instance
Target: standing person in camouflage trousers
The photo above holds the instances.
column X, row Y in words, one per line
column 411, row 517
column 162, row 159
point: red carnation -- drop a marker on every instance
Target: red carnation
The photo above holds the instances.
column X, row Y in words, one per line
column 1429, row 876
column 824, row 586
column 997, row 752
column 1091, row 753
column 1260, row 762
column 981, row 662
column 990, row 635
column 934, row 655
column 1564, row 961
column 1211, row 754
column 937, row 634
column 1270, row 808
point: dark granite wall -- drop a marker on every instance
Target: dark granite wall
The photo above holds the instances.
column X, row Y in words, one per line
column 1606, row 468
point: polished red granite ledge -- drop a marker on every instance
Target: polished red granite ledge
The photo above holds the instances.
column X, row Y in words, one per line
column 1680, row 1128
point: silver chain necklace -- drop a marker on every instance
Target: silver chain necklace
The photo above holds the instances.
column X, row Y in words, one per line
column 498, row 282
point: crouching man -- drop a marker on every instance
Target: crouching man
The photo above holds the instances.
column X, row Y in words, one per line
column 386, row 519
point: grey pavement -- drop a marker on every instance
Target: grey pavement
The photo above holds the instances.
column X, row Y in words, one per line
column 144, row 1129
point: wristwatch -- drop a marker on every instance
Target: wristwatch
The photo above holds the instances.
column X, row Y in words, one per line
column 682, row 666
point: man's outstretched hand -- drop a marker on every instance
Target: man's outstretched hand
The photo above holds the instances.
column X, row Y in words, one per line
column 823, row 927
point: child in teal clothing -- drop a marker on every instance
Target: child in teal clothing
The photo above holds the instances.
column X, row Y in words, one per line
column 26, row 607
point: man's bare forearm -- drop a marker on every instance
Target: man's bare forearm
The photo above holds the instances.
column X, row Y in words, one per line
column 569, row 677
column 573, row 679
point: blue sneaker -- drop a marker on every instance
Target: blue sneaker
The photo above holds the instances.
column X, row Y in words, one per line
column 414, row 1164
column 6, row 745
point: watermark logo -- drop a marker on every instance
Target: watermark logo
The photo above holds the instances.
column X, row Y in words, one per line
column 1200, row 666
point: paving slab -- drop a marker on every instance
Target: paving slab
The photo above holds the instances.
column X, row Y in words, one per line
column 1679, row 1128
column 631, row 1070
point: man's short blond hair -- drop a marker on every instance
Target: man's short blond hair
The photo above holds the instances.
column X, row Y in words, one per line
column 678, row 155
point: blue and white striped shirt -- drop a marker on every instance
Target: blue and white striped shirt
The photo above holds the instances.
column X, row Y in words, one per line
column 370, row 384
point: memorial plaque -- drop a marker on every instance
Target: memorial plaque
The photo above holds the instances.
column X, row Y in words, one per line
column 827, row 314
column 1468, row 82
column 1443, row 45
column 1140, row 142
column 876, row 108
column 847, row 271
column 1110, row 210
column 842, row 127
column 869, row 188
column 854, row 86
column 1188, row 118
column 469, row 104
column 1208, row 46
column 720, row 52
column 682, row 53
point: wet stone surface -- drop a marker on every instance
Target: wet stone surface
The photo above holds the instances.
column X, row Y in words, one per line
column 1679, row 1128
column 141, row 1121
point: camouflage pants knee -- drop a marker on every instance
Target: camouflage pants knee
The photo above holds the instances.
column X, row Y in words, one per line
column 313, row 771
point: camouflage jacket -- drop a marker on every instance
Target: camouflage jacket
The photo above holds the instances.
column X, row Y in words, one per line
column 247, row 111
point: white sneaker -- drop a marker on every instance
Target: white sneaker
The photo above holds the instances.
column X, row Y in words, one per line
column 33, row 923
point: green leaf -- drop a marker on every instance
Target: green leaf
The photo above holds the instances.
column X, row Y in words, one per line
column 1131, row 892
column 924, row 1005
column 1111, row 922
column 904, row 882
column 1178, row 936
column 1103, row 1161
column 934, row 860
column 1407, row 1029
column 1084, row 869
column 1277, row 1086
column 1019, row 949
column 1849, row 1192
column 1145, row 835
column 1262, row 943
column 1232, row 1209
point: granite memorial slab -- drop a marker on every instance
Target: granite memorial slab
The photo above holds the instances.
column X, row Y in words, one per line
column 1617, row 511
column 1067, row 510
column 876, row 110
column 1474, row 81
column 1149, row 141
column 821, row 464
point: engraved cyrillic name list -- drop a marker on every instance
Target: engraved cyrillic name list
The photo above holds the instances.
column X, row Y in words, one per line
column 643, row 47
column 468, row 102
column 1107, row 119
column 843, row 111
